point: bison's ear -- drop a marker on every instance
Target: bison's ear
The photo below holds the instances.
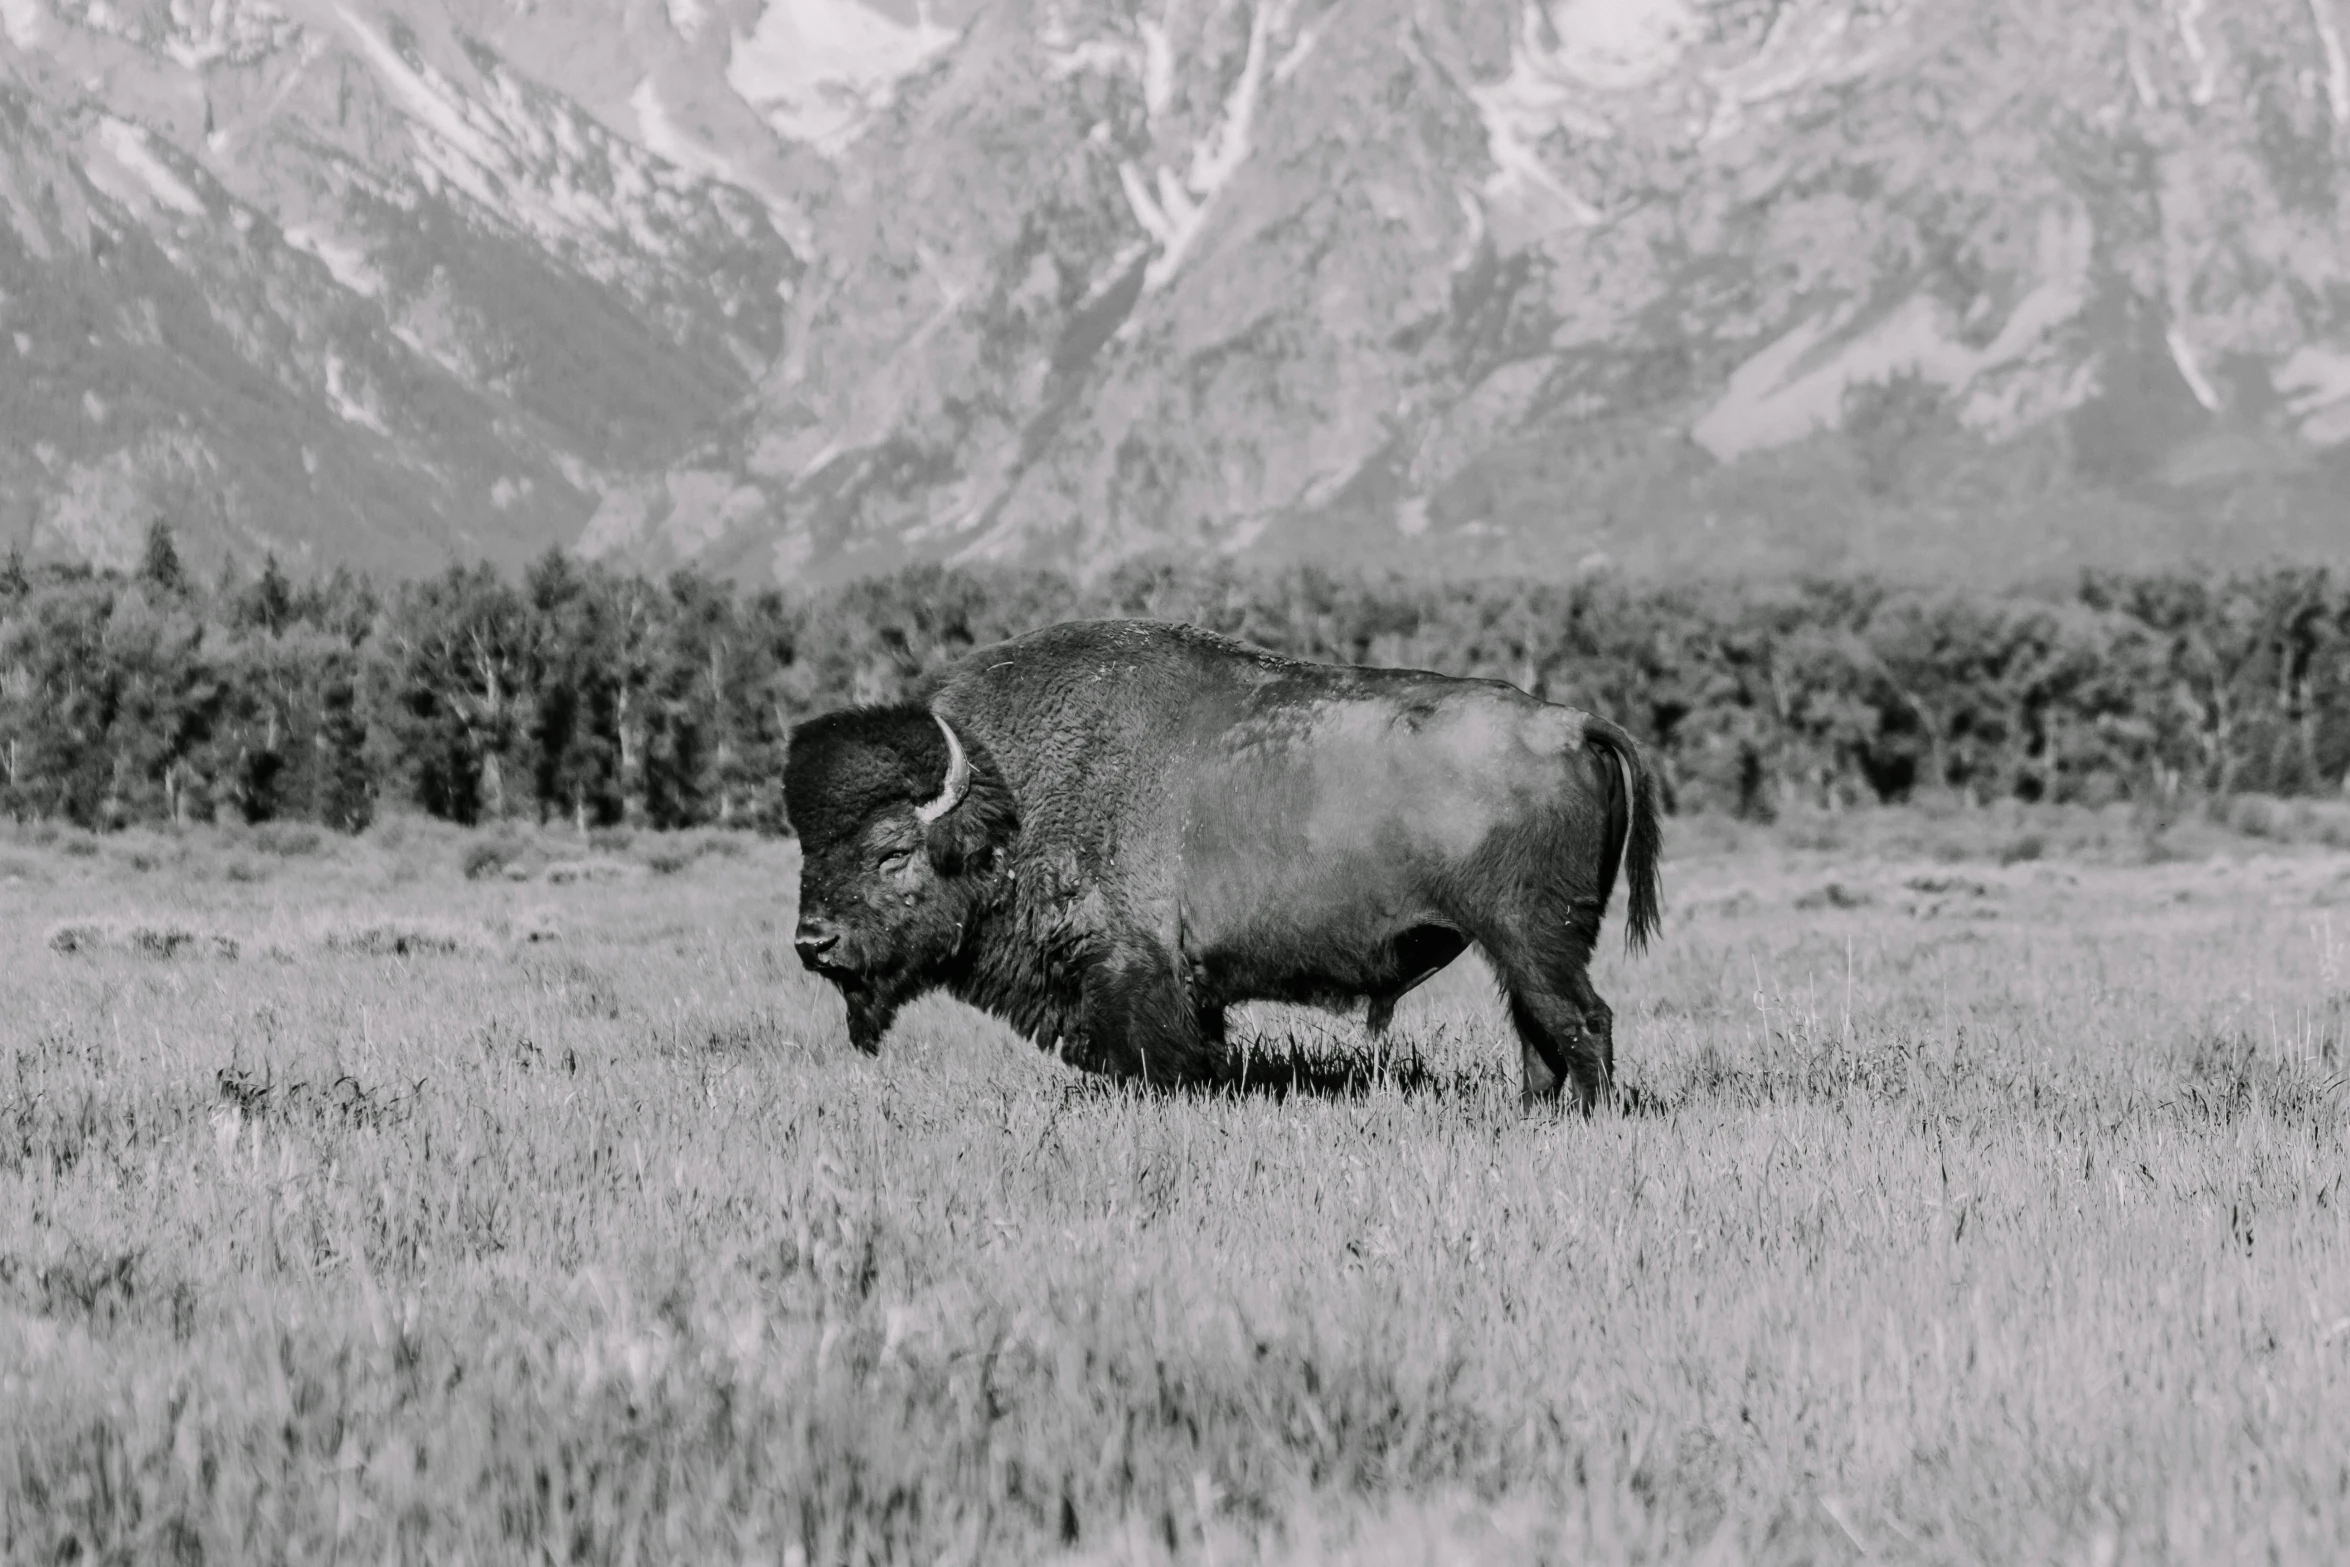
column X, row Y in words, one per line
column 967, row 839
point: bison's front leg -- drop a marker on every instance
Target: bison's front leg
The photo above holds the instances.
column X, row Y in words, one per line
column 1142, row 1022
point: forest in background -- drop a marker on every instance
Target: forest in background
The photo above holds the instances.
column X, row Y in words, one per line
column 583, row 694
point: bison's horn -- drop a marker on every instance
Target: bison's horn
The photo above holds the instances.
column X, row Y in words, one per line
column 950, row 794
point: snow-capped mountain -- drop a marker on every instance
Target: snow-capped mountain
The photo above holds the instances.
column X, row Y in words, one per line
column 794, row 288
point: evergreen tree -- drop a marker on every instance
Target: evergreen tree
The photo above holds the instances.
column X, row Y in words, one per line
column 693, row 757
column 159, row 565
column 346, row 798
column 458, row 658
column 269, row 603
column 15, row 584
column 575, row 719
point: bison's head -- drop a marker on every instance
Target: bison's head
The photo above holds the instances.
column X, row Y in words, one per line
column 902, row 825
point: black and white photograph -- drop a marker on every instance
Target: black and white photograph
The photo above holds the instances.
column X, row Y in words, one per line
column 1131, row 783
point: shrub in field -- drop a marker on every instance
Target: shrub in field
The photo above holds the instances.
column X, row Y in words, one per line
column 403, row 938
column 171, row 941
column 487, row 860
column 669, row 859
column 680, row 851
column 1836, row 895
column 565, row 872
column 534, row 930
column 165, row 941
column 288, row 840
column 73, row 938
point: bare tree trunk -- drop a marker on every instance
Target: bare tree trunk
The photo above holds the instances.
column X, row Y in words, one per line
column 2223, row 735
column 632, row 784
column 722, row 753
column 2305, row 722
column 1937, row 753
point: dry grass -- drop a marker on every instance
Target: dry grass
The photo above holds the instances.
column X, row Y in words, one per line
column 1972, row 1212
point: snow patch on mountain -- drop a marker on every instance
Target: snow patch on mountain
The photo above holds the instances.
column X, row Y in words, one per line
column 1608, row 45
column 2182, row 354
column 344, row 261
column 26, row 23
column 1066, row 55
column 1561, row 58
column 1173, row 209
column 2189, row 20
column 664, row 138
column 1158, row 67
column 150, row 183
column 1807, row 46
column 202, row 32
column 349, row 406
column 1293, row 58
column 1796, row 386
column 2315, row 383
column 611, row 205
column 2329, row 38
column 420, row 98
column 816, row 70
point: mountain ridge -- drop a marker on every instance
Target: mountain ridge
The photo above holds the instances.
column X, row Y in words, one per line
column 795, row 289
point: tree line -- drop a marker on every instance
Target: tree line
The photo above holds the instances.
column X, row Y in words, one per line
column 598, row 697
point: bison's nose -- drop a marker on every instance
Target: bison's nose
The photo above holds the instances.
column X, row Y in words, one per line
column 813, row 943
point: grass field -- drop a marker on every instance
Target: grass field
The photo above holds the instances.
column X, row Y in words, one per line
column 1982, row 1199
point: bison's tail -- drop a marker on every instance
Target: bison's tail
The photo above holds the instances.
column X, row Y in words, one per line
column 1643, row 840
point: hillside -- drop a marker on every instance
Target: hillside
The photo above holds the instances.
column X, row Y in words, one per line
column 794, row 289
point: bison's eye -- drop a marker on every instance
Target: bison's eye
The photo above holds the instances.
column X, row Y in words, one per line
column 895, row 864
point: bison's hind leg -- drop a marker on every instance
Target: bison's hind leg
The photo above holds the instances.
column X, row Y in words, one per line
column 1565, row 1031
column 1563, row 1039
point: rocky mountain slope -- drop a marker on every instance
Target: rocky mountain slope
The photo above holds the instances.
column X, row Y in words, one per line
column 798, row 288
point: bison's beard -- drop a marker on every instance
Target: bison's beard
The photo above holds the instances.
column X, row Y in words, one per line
column 875, row 996
column 880, row 968
column 869, row 1017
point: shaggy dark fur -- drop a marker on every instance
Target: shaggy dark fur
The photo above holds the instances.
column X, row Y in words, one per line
column 844, row 767
column 1162, row 822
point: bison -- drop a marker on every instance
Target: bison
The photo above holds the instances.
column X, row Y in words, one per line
column 1107, row 832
